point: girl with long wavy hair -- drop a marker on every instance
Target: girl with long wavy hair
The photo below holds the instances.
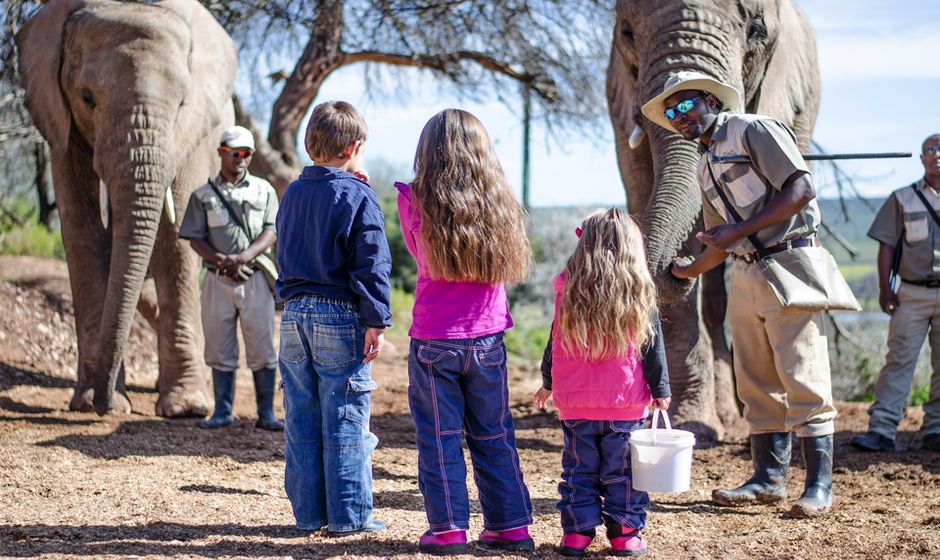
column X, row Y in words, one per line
column 466, row 232
column 604, row 366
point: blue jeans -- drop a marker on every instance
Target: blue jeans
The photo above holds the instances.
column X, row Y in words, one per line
column 596, row 476
column 327, row 402
column 457, row 388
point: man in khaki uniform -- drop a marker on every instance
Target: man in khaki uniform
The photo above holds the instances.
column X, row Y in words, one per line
column 229, row 233
column 781, row 357
column 914, row 309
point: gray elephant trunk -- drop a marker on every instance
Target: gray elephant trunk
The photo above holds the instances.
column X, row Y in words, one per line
column 136, row 188
column 672, row 210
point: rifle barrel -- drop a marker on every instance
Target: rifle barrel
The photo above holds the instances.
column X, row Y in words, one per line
column 817, row 157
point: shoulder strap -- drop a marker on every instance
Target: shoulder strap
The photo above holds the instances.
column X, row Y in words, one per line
column 930, row 210
column 734, row 213
column 231, row 212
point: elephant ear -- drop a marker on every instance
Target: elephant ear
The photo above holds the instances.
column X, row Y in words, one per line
column 39, row 44
column 212, row 64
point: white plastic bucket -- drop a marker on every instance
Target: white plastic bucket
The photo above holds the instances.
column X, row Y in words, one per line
column 661, row 458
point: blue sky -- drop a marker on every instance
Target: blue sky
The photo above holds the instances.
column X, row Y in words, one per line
column 880, row 76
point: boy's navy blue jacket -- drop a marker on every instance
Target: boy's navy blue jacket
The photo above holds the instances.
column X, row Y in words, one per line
column 331, row 243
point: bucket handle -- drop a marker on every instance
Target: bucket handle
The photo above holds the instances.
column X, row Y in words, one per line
column 655, row 421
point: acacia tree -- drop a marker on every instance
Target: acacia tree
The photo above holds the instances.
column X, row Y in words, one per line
column 554, row 49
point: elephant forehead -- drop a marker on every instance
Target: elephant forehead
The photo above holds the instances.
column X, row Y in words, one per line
column 138, row 26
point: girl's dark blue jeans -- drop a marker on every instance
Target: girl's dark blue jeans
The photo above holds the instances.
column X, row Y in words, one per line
column 596, row 476
column 457, row 389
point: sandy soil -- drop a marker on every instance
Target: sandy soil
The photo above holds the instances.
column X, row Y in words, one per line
column 76, row 485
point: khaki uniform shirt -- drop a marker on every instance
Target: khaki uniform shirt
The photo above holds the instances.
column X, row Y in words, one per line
column 903, row 213
column 750, row 186
column 207, row 218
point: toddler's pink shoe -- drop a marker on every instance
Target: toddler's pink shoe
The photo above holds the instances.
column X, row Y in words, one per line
column 574, row 544
column 509, row 539
column 451, row 542
column 626, row 541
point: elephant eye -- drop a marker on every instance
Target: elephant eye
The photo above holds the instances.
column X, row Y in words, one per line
column 88, row 99
column 626, row 31
column 756, row 29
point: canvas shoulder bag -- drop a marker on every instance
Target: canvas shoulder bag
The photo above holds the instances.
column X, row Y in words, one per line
column 262, row 261
column 804, row 278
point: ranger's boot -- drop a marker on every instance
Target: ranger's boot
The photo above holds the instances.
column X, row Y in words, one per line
column 223, row 385
column 771, row 457
column 264, row 399
column 817, row 493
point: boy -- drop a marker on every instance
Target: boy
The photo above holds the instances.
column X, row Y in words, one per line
column 334, row 280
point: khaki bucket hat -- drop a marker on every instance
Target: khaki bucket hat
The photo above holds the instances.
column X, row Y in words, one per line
column 688, row 79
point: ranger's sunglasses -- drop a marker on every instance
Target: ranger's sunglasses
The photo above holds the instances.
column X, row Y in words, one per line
column 237, row 152
column 681, row 107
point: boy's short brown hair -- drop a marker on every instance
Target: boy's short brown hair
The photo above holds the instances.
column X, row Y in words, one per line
column 333, row 126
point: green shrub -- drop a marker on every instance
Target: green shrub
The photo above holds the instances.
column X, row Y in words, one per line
column 402, row 302
column 32, row 239
column 920, row 395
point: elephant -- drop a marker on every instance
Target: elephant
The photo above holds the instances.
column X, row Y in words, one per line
column 132, row 99
column 767, row 50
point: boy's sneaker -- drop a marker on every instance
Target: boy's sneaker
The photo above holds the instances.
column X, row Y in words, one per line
column 371, row 526
column 624, row 540
column 575, row 544
column 451, row 542
column 509, row 539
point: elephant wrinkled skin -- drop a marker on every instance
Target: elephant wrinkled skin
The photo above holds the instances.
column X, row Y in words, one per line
column 767, row 50
column 132, row 99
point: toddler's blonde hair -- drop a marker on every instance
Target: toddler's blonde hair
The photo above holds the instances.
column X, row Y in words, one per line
column 609, row 297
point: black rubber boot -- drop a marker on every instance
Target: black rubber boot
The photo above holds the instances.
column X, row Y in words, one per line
column 264, row 399
column 223, row 385
column 771, row 457
column 817, row 494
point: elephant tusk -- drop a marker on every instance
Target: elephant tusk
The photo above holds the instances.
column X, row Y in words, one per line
column 103, row 207
column 636, row 137
column 170, row 207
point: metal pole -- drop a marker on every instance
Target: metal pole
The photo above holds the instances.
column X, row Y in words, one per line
column 526, row 118
column 818, row 157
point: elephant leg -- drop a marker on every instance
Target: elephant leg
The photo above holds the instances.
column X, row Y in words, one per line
column 183, row 384
column 714, row 305
column 691, row 373
column 88, row 248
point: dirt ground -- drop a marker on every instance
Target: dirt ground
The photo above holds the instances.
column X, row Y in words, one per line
column 76, row 485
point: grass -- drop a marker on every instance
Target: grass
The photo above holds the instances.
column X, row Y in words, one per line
column 856, row 271
column 32, row 239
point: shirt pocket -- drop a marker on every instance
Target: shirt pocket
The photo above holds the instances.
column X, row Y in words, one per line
column 217, row 217
column 255, row 214
column 916, row 227
column 743, row 183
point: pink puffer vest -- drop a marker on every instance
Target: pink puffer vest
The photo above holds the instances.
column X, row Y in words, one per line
column 611, row 389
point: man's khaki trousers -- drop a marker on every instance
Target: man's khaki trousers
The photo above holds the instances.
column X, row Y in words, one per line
column 781, row 359
column 918, row 313
column 225, row 303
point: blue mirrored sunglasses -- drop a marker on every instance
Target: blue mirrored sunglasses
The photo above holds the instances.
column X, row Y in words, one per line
column 934, row 149
column 681, row 107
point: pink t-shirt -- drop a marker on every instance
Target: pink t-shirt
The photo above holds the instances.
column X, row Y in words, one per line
column 446, row 309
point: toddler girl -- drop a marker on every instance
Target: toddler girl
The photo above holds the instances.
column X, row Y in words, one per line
column 606, row 365
column 465, row 230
